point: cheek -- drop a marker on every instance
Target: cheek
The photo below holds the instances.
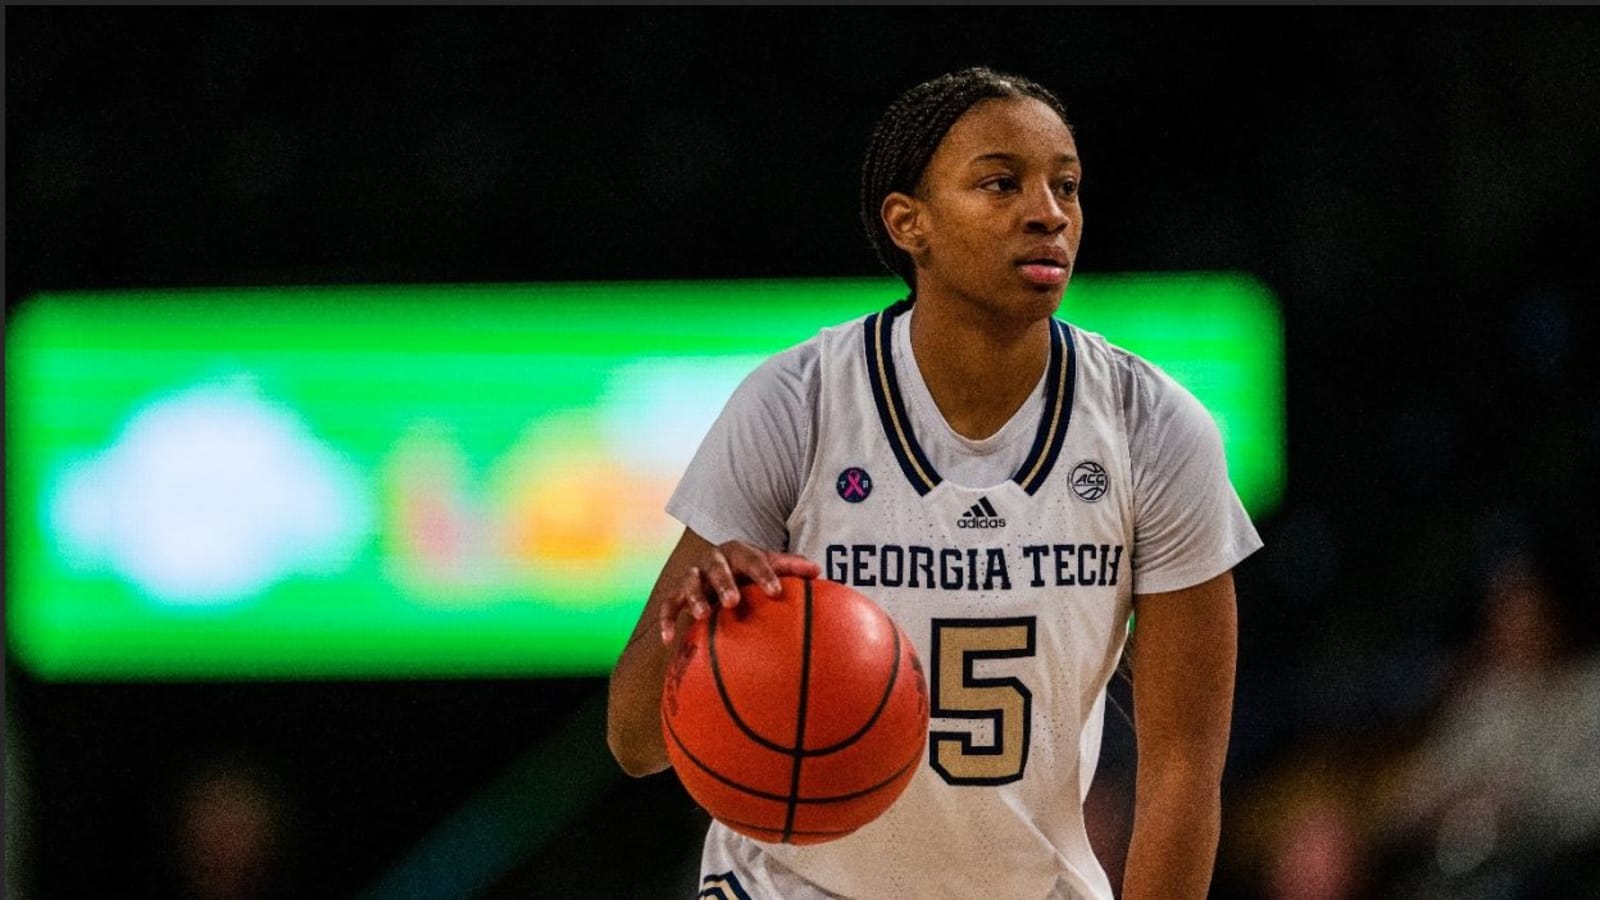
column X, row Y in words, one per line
column 967, row 231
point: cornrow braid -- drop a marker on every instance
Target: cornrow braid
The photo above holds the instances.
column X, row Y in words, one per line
column 908, row 133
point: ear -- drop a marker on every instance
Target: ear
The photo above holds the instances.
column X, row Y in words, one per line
column 903, row 218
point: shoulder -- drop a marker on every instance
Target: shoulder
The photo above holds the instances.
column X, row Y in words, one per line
column 1169, row 430
column 1152, row 400
column 1189, row 525
column 1145, row 390
column 787, row 372
column 785, row 385
column 794, row 373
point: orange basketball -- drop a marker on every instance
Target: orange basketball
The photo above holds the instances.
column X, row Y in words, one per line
column 796, row 719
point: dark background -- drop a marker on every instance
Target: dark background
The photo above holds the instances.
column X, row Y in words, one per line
column 1419, row 187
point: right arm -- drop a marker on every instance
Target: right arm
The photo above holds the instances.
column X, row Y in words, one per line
column 697, row 573
column 748, row 469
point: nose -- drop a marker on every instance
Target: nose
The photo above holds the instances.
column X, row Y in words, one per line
column 1045, row 212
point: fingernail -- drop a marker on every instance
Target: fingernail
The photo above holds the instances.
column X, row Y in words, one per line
column 730, row 597
column 773, row 587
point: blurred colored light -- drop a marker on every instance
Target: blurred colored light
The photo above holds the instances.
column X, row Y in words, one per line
column 437, row 481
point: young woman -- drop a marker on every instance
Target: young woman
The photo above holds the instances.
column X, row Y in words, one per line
column 1009, row 488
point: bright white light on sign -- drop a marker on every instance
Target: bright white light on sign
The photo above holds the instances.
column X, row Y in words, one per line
column 211, row 496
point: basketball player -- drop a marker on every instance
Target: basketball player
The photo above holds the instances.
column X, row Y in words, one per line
column 1008, row 487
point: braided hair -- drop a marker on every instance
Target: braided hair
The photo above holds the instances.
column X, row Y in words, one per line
column 908, row 133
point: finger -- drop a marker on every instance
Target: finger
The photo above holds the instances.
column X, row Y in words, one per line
column 674, row 604
column 753, row 564
column 719, row 575
column 793, row 564
column 667, row 617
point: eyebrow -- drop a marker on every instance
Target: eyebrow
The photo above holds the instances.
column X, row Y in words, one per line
column 1061, row 158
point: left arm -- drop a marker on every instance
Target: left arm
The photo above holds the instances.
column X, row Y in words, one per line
column 1183, row 651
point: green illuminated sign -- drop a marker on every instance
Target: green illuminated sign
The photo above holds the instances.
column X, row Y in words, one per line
column 437, row 481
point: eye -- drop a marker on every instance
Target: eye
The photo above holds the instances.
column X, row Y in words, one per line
column 1068, row 187
column 1001, row 184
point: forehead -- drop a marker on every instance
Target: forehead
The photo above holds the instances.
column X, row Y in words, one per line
column 1014, row 126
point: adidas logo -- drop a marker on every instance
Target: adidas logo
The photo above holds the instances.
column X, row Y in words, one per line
column 981, row 515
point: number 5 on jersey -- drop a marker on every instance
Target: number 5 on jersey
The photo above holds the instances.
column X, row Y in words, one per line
column 958, row 693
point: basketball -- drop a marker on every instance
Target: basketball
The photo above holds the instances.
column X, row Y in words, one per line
column 796, row 719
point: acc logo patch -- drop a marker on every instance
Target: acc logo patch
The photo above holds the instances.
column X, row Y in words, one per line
column 1089, row 481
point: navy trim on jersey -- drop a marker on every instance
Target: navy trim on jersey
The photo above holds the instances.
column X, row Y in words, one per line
column 717, row 886
column 892, row 413
column 1061, row 383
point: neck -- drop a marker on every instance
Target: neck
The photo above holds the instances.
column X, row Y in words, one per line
column 979, row 370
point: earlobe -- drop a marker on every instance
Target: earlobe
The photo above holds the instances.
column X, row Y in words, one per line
column 902, row 218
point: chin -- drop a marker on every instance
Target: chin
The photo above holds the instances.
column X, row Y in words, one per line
column 1048, row 300
column 1031, row 307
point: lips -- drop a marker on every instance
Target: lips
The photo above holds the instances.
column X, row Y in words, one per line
column 1044, row 273
column 1046, row 253
column 1044, row 266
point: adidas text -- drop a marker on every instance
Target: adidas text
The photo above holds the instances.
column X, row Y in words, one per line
column 981, row 515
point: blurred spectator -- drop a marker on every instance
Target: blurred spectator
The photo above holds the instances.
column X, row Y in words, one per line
column 230, row 832
column 1299, row 833
column 1319, row 854
column 1501, row 796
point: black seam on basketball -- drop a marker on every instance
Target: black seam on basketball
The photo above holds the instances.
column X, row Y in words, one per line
column 793, row 800
column 702, row 766
column 916, row 758
column 800, row 713
column 835, row 832
column 786, row 798
column 727, row 702
column 883, row 702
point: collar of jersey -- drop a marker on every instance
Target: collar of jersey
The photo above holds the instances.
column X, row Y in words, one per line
column 1060, row 382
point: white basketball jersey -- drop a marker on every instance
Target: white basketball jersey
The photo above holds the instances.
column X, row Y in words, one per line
column 1017, row 597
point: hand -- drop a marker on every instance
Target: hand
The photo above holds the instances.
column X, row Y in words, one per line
column 716, row 579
